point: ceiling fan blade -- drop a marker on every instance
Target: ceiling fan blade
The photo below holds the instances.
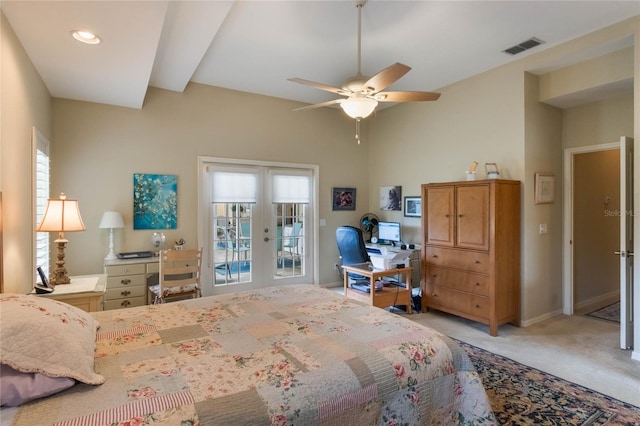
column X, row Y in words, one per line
column 385, row 78
column 323, row 104
column 405, row 96
column 319, row 86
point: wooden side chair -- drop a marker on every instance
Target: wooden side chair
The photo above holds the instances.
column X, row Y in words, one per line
column 179, row 275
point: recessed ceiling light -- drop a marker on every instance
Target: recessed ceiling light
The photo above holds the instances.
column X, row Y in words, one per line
column 85, row 37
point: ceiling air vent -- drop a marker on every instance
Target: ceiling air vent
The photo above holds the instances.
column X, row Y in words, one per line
column 525, row 45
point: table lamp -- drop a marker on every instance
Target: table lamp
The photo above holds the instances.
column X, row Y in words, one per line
column 111, row 221
column 61, row 215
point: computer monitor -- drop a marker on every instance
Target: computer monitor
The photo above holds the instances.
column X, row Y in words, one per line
column 389, row 232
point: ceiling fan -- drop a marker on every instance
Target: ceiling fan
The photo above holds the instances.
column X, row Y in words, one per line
column 363, row 92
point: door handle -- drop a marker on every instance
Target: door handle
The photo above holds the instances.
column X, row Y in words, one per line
column 619, row 253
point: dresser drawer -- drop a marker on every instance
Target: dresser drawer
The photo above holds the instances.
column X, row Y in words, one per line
column 460, row 280
column 126, row 292
column 459, row 302
column 128, row 302
column 115, row 270
column 460, row 259
column 126, row 281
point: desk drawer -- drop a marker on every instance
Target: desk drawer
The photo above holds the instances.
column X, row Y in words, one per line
column 129, row 302
column 472, row 261
column 126, row 292
column 115, row 270
column 126, row 281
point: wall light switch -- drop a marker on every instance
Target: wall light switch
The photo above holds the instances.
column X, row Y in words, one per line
column 543, row 228
column 323, row 222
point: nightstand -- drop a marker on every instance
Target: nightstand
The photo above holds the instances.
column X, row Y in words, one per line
column 85, row 292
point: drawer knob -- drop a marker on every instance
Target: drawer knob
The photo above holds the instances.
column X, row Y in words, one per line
column 477, row 284
column 126, row 270
column 477, row 306
column 125, row 303
column 477, row 262
column 434, row 256
column 435, row 275
column 434, row 295
column 460, row 215
column 125, row 281
column 125, row 293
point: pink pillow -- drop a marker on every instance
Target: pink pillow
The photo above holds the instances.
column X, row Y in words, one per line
column 16, row 388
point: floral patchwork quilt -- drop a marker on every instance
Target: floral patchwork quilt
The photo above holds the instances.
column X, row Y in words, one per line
column 290, row 355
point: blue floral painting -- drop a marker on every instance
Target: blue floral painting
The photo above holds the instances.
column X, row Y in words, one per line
column 155, row 201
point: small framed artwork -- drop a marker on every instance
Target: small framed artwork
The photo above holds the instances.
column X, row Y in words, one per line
column 412, row 206
column 343, row 198
column 544, row 188
column 391, row 198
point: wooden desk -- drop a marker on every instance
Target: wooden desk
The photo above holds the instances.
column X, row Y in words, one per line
column 85, row 292
column 388, row 296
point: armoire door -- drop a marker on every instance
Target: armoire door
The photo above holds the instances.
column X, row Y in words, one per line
column 472, row 217
column 439, row 217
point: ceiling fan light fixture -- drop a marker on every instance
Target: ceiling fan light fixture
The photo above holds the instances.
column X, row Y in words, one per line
column 85, row 37
column 358, row 106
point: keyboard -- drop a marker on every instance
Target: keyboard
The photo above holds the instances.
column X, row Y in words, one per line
column 135, row 255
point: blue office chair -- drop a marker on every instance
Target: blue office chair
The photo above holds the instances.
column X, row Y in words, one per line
column 352, row 248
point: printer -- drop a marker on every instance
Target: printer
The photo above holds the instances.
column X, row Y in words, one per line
column 383, row 258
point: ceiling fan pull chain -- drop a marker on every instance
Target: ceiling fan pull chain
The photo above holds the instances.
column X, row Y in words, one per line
column 358, row 130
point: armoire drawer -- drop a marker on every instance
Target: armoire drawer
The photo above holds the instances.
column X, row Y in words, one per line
column 450, row 299
column 472, row 261
column 459, row 280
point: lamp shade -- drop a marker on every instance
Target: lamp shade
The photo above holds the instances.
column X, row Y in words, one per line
column 358, row 106
column 111, row 220
column 61, row 215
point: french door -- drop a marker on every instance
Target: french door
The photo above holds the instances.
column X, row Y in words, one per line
column 256, row 225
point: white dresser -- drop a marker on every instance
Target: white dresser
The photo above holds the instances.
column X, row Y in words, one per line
column 127, row 281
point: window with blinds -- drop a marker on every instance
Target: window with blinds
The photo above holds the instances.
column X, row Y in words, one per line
column 42, row 195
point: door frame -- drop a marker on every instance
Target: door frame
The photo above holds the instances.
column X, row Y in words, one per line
column 567, row 233
column 202, row 219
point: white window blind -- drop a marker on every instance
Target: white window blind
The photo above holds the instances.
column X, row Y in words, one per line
column 42, row 195
column 291, row 188
column 233, row 187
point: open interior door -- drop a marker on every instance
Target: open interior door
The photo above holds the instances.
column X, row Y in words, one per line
column 626, row 243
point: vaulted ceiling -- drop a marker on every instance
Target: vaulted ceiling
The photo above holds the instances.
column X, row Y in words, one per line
column 254, row 46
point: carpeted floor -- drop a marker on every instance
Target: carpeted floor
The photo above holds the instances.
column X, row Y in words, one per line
column 609, row 313
column 522, row 395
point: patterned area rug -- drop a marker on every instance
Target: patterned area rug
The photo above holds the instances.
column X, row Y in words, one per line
column 522, row 395
column 609, row 313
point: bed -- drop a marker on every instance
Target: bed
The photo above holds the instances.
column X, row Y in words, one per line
column 291, row 355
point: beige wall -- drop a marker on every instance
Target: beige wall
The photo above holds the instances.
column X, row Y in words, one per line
column 598, row 122
column 25, row 103
column 97, row 149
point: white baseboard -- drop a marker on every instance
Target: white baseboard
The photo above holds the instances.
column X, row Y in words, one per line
column 596, row 302
column 541, row 318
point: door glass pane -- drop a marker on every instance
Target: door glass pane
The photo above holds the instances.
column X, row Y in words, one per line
column 232, row 251
column 289, row 220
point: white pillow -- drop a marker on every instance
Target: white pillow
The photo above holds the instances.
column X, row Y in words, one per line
column 41, row 335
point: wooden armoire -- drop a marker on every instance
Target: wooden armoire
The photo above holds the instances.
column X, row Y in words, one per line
column 471, row 250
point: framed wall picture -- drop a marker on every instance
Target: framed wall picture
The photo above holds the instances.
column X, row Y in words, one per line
column 544, row 188
column 391, row 198
column 155, row 201
column 343, row 198
column 412, row 206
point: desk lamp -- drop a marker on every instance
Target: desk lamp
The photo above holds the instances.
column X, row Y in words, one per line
column 111, row 221
column 61, row 215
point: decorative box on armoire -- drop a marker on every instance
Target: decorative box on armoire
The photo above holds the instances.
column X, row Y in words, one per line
column 471, row 250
